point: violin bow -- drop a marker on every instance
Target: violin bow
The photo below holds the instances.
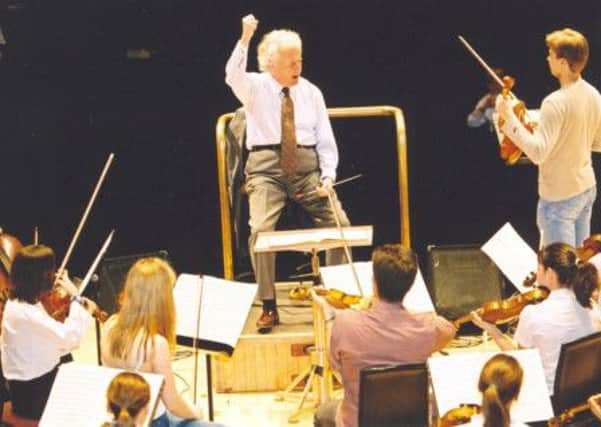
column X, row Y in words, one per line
column 481, row 61
column 347, row 252
column 88, row 277
column 107, row 165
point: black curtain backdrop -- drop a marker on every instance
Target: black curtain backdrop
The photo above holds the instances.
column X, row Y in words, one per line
column 69, row 96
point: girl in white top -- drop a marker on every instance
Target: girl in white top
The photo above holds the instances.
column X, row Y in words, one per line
column 142, row 335
column 500, row 383
column 561, row 318
column 32, row 342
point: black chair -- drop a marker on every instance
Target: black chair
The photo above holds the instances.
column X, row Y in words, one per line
column 393, row 396
column 578, row 374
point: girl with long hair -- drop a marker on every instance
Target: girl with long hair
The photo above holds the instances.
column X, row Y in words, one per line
column 141, row 336
column 563, row 317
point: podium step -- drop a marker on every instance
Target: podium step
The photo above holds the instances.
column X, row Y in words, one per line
column 269, row 362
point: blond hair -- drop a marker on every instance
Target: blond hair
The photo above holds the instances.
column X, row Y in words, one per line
column 569, row 45
column 148, row 309
column 272, row 42
column 127, row 395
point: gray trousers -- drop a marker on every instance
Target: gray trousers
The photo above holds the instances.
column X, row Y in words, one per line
column 268, row 192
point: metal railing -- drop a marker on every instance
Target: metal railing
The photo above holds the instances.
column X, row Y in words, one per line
column 341, row 112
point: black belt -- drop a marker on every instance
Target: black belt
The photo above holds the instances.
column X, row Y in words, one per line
column 278, row 147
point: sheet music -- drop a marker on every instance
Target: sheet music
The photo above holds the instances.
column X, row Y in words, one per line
column 455, row 381
column 341, row 277
column 224, row 307
column 78, row 396
column 314, row 235
column 512, row 255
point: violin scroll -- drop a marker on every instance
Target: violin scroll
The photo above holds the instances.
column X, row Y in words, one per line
column 460, row 415
column 530, row 280
column 590, row 247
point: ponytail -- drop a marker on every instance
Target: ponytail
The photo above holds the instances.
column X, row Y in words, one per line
column 495, row 413
column 500, row 382
column 127, row 395
column 584, row 282
column 121, row 416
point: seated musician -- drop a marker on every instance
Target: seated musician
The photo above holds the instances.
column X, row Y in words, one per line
column 561, row 318
column 383, row 335
column 500, row 382
column 141, row 336
column 32, row 342
column 127, row 400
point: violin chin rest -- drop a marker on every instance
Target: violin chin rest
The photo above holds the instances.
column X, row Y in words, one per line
column 299, row 294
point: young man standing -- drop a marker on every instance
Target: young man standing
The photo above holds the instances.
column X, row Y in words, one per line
column 561, row 144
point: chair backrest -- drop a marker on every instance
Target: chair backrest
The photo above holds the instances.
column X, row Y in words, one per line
column 393, row 396
column 578, row 374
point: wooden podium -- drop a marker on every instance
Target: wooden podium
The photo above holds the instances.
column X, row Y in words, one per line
column 318, row 375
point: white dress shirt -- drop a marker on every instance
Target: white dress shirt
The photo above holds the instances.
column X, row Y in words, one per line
column 261, row 96
column 32, row 342
column 557, row 320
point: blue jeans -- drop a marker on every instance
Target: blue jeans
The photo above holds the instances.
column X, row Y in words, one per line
column 567, row 221
column 169, row 420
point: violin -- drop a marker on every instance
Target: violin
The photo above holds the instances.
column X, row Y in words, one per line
column 336, row 298
column 567, row 416
column 590, row 247
column 460, row 415
column 508, row 150
column 506, row 310
column 57, row 302
column 9, row 246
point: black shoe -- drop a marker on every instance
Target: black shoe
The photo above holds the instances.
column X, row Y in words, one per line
column 268, row 319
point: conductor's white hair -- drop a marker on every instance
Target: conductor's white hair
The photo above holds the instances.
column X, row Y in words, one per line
column 272, row 42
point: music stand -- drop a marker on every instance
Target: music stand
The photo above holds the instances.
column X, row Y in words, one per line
column 313, row 240
column 318, row 375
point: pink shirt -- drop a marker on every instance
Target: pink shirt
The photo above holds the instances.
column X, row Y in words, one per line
column 383, row 335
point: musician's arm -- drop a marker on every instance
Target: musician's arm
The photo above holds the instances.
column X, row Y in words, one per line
column 540, row 143
column 334, row 344
column 236, row 75
column 445, row 332
column 161, row 364
column 597, row 141
column 503, row 341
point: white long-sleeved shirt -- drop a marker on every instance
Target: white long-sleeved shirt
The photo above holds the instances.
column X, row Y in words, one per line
column 32, row 342
column 561, row 145
column 261, row 96
column 557, row 320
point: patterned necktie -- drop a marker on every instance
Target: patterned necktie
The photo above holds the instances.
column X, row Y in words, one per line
column 288, row 152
